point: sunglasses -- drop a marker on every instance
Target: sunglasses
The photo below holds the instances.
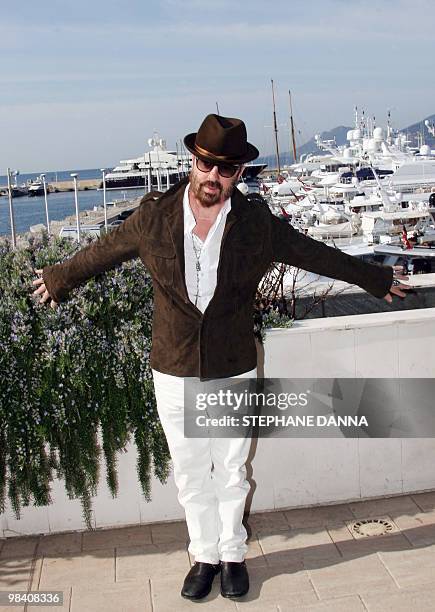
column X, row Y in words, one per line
column 225, row 170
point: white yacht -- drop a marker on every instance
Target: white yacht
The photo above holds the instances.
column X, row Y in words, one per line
column 35, row 187
column 157, row 169
column 415, row 173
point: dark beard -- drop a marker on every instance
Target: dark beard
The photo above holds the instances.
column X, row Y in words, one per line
column 209, row 199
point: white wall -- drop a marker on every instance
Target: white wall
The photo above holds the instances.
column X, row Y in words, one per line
column 291, row 472
column 314, row 471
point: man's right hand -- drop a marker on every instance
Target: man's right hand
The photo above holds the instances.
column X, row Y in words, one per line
column 42, row 290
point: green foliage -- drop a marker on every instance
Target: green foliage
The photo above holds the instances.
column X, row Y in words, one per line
column 69, row 374
column 266, row 317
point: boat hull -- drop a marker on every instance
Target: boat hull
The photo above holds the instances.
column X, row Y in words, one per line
column 139, row 182
column 33, row 193
column 18, row 192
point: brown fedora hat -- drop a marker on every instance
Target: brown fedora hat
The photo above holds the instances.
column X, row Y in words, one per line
column 221, row 139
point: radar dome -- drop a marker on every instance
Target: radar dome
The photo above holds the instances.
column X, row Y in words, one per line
column 243, row 187
column 425, row 150
column 357, row 134
column 349, row 135
column 378, row 134
column 347, row 153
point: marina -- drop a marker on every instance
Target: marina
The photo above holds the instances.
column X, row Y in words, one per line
column 370, row 190
column 345, row 195
column 374, row 190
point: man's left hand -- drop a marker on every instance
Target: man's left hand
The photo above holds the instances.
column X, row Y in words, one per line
column 397, row 288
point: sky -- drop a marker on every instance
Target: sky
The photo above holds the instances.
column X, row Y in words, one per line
column 85, row 84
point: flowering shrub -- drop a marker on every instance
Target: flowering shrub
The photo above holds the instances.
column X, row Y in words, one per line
column 68, row 373
column 268, row 316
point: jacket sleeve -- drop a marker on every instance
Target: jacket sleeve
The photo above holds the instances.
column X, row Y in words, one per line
column 294, row 248
column 121, row 244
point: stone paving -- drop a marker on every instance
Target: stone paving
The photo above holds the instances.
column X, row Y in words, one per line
column 298, row 559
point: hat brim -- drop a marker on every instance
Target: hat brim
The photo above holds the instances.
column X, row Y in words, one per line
column 251, row 152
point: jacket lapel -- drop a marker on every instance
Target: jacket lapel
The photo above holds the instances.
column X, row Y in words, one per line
column 175, row 223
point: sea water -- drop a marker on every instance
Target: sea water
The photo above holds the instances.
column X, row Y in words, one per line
column 30, row 211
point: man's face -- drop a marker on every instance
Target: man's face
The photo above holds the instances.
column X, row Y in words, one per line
column 210, row 188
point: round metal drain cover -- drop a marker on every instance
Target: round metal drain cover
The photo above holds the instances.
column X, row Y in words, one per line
column 372, row 527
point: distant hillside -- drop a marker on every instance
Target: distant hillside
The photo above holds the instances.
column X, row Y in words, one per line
column 419, row 128
column 339, row 133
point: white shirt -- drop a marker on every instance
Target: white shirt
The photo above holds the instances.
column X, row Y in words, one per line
column 202, row 281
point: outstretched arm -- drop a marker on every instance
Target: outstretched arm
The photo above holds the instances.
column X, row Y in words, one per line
column 291, row 247
column 120, row 245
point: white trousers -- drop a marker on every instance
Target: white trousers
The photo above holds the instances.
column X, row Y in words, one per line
column 210, row 476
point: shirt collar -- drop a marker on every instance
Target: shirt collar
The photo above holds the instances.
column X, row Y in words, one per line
column 189, row 219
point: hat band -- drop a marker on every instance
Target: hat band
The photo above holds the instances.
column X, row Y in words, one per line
column 202, row 151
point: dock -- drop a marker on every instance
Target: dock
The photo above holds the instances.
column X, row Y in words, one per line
column 95, row 216
column 82, row 185
column 62, row 186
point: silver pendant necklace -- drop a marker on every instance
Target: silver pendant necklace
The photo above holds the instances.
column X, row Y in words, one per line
column 197, row 266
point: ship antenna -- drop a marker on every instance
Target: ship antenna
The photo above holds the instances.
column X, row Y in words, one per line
column 292, row 126
column 275, row 127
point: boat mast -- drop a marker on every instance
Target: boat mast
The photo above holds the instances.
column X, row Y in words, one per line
column 275, row 127
column 178, row 162
column 293, row 142
column 217, row 108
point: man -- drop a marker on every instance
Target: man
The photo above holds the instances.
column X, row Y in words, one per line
column 207, row 248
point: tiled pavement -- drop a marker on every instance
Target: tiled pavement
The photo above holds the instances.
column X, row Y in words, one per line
column 300, row 559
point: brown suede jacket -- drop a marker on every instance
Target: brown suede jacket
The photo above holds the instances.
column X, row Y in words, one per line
column 220, row 342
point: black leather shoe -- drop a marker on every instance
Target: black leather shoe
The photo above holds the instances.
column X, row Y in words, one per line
column 234, row 579
column 199, row 580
